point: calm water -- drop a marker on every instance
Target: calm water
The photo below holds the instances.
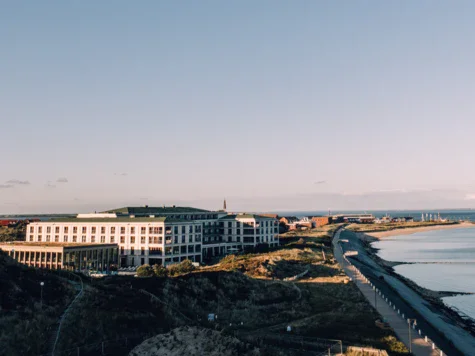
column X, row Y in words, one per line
column 449, row 262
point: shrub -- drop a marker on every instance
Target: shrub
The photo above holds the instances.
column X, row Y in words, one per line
column 185, row 266
column 145, row 271
column 160, row 271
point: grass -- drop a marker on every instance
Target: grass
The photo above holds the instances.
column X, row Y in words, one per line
column 247, row 293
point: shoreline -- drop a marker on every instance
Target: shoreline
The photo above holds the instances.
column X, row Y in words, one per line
column 434, row 298
column 413, row 230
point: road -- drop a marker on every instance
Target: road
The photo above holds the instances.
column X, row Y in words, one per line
column 399, row 324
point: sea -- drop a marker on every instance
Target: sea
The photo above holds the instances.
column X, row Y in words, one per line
column 441, row 260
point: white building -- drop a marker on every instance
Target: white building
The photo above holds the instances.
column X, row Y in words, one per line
column 160, row 235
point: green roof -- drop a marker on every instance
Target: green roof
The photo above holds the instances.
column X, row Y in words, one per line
column 117, row 220
column 245, row 216
column 146, row 210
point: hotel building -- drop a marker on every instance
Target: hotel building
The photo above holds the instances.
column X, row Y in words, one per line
column 160, row 235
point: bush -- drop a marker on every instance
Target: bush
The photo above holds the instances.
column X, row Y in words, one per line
column 185, row 266
column 160, row 271
column 145, row 271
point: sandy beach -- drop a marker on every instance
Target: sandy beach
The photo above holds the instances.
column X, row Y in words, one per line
column 409, row 231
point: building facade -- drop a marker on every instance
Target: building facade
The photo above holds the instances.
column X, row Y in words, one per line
column 68, row 256
column 167, row 235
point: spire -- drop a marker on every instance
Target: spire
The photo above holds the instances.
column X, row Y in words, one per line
column 224, row 204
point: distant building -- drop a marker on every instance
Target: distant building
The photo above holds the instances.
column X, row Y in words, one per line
column 320, row 220
column 353, row 218
column 160, row 235
column 290, row 222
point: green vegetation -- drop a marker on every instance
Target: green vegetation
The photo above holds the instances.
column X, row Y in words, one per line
column 249, row 293
column 183, row 267
column 26, row 319
column 145, row 271
column 16, row 233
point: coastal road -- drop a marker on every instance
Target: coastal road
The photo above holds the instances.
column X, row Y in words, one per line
column 399, row 325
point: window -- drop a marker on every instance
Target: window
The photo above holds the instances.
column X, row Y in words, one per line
column 56, row 238
column 132, row 250
column 75, row 238
column 183, row 229
column 132, row 230
column 103, row 239
column 142, row 239
column 84, row 229
column 190, row 238
column 65, row 238
column 75, row 230
column 103, row 230
column 143, row 229
column 56, row 229
column 40, row 238
column 48, row 229
column 121, row 250
column 93, row 230
column 66, row 229
column 175, row 230
column 160, row 230
column 39, row 229
column 132, row 239
column 183, row 239
column 32, row 229
column 31, row 238
column 176, row 239
column 190, row 229
column 122, row 239
column 93, row 239
column 113, row 230
column 83, row 238
column 122, row 230
column 48, row 237
column 142, row 251
column 112, row 239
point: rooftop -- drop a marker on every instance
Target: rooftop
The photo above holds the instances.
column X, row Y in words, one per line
column 245, row 216
column 53, row 244
column 147, row 210
column 117, row 220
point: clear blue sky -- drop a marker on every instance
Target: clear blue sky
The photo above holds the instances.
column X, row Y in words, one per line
column 187, row 102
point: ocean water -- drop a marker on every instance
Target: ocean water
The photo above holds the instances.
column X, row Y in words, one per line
column 444, row 260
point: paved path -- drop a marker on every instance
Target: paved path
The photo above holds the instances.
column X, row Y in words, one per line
column 400, row 326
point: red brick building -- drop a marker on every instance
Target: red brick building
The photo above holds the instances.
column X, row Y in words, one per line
column 320, row 220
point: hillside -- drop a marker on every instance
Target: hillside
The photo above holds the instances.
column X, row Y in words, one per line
column 248, row 293
column 25, row 322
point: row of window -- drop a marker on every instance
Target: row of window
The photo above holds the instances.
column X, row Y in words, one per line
column 131, row 239
column 176, row 250
column 112, row 229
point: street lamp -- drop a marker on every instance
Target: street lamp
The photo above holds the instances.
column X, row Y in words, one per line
column 42, row 285
column 410, row 338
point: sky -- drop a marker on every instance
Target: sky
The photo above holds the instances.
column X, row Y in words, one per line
column 275, row 105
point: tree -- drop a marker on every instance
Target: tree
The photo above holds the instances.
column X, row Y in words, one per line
column 160, row 271
column 145, row 271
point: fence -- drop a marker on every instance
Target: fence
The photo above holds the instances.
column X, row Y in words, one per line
column 392, row 305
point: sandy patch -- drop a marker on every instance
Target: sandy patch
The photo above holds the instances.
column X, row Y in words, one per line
column 409, row 231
